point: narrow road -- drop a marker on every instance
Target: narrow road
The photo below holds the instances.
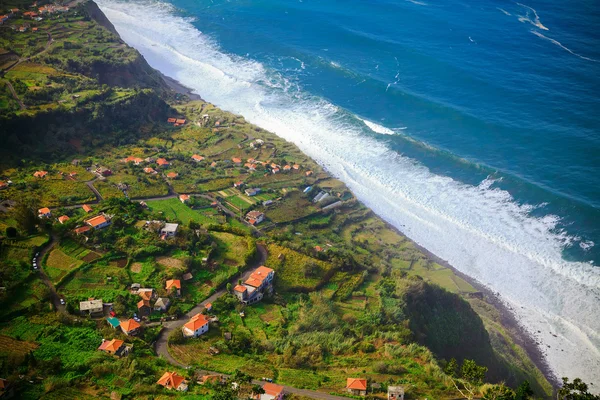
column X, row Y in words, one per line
column 53, row 294
column 90, row 184
column 14, row 94
column 162, row 347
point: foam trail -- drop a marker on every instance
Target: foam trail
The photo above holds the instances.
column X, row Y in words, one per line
column 536, row 21
column 559, row 44
column 378, row 128
column 504, row 11
column 480, row 230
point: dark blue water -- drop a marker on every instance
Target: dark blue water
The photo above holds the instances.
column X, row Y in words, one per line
column 482, row 90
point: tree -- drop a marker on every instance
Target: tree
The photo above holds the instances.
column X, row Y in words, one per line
column 11, row 232
column 470, row 378
column 25, row 217
column 257, row 390
column 499, row 392
column 524, row 391
column 224, row 394
column 576, row 390
column 176, row 337
column 228, row 287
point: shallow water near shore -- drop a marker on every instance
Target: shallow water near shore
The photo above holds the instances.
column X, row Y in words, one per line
column 443, row 119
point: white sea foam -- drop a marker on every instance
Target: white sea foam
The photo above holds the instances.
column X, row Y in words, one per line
column 559, row 44
column 478, row 229
column 526, row 18
column 378, row 128
column 504, row 11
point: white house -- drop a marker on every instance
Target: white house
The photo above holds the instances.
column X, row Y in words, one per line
column 198, row 325
column 169, row 230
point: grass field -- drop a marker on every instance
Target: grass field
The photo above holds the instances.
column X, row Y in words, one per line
column 175, row 210
column 59, row 264
column 290, row 270
column 9, row 345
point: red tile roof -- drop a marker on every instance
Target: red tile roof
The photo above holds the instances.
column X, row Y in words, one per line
column 81, row 229
column 63, row 219
column 173, row 283
column 143, row 303
column 44, row 210
column 86, row 208
column 240, row 288
column 111, row 345
column 162, row 161
column 129, row 325
column 184, row 197
column 171, row 120
column 196, row 322
column 97, row 220
column 40, row 174
column 236, row 160
column 171, row 380
column 196, row 157
column 357, row 384
column 172, row 175
column 272, row 389
column 149, row 170
column 180, row 121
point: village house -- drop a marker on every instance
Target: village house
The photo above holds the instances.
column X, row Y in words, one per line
column 208, row 306
column 198, row 325
column 98, row 222
column 44, row 212
column 81, row 230
column 3, row 185
column 162, row 162
column 130, row 327
column 113, row 322
column 275, row 170
column 395, row 393
column 171, row 120
column 172, row 175
column 255, row 217
column 184, row 197
column 197, row 158
column 356, row 386
column 309, row 173
column 237, row 161
column 169, row 230
column 171, row 380
column 252, row 192
column 86, row 208
column 103, row 171
column 135, row 160
column 296, row 167
column 145, row 293
column 62, row 219
column 212, row 379
column 287, row 168
column 40, row 174
column 162, row 304
column 253, row 289
column 213, row 164
column 173, row 284
column 144, row 308
column 238, row 184
column 272, row 392
column 179, row 122
column 149, row 170
column 116, row 347
column 91, row 307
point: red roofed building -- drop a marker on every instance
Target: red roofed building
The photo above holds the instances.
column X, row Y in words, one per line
column 82, row 229
column 287, row 168
column 171, row 380
column 309, row 173
column 180, row 121
column 198, row 325
column 173, row 284
column 63, row 219
column 356, row 386
column 236, row 160
column 162, row 162
column 44, row 212
column 135, row 160
column 40, row 174
column 171, row 120
column 197, row 158
column 114, row 347
column 272, row 392
column 98, row 222
column 172, row 175
column 144, row 307
column 149, row 170
column 86, row 208
column 130, row 327
column 3, row 185
column 184, row 197
column 253, row 289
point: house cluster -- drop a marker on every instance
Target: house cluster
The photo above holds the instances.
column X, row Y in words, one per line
column 100, row 221
column 176, row 121
column 358, row 387
column 252, row 165
column 5, row 184
column 103, row 172
column 255, row 287
column 52, row 8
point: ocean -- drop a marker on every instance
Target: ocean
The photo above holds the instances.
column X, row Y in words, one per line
column 473, row 127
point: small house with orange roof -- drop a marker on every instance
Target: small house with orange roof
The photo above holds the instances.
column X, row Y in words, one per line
column 86, row 208
column 238, row 184
column 162, row 162
column 309, row 173
column 197, row 326
column 213, row 164
column 318, row 249
column 44, row 212
column 171, row 120
column 3, row 185
column 130, row 327
column 180, row 121
column 146, row 293
column 255, row 217
column 98, row 222
column 356, row 386
column 173, row 381
column 135, row 160
column 208, row 306
column 149, row 170
column 184, row 197
column 197, row 158
column 296, row 167
column 237, row 160
column 271, row 392
column 172, row 175
column 82, row 229
column 253, row 289
column 63, row 219
column 40, row 174
column 275, row 170
column 115, row 347
column 173, row 284
column 287, row 168
column 144, row 308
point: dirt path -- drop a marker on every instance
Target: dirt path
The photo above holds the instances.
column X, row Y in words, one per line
column 14, row 94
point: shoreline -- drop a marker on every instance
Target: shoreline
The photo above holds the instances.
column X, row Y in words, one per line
column 508, row 319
